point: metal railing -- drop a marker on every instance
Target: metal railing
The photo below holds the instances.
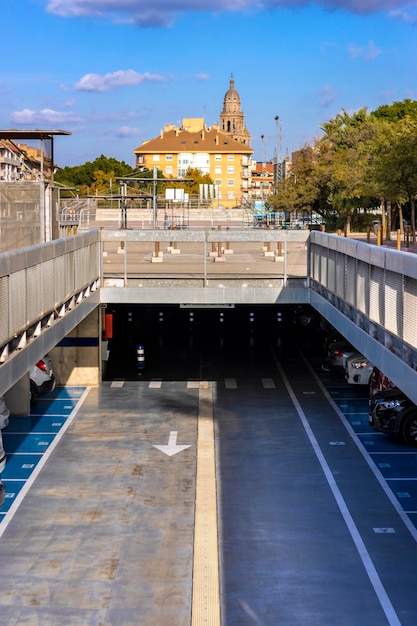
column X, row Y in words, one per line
column 375, row 288
column 40, row 283
column 235, row 255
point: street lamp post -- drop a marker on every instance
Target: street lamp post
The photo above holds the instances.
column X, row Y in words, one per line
column 263, row 177
column 278, row 170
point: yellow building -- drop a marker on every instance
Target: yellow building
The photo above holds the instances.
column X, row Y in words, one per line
column 223, row 154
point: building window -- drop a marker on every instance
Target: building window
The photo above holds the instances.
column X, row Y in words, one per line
column 217, row 157
column 231, row 169
column 218, row 181
column 230, row 157
column 230, row 182
column 217, row 169
column 168, row 157
column 230, row 195
column 168, row 169
column 156, row 157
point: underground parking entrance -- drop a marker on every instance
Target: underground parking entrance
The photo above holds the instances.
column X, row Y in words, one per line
column 191, row 342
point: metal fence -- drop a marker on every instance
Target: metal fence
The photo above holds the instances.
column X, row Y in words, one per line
column 39, row 283
column 375, row 287
column 239, row 255
column 21, row 214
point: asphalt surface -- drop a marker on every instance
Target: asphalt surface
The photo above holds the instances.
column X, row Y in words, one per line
column 314, row 526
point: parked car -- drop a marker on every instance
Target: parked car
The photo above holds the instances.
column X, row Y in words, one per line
column 392, row 412
column 378, row 382
column 337, row 355
column 2, row 493
column 331, row 335
column 2, row 455
column 358, row 369
column 42, row 377
column 4, row 414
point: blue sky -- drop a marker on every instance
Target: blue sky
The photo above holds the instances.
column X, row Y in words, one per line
column 113, row 72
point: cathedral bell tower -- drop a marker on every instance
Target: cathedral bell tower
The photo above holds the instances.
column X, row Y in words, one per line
column 232, row 119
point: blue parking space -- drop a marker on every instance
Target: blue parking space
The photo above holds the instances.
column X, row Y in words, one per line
column 28, row 438
column 397, row 465
column 396, row 460
column 406, row 493
column 13, row 488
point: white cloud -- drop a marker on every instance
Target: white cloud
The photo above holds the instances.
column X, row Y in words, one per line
column 162, row 13
column 327, row 96
column 202, row 76
column 127, row 131
column 369, row 52
column 45, row 116
column 113, row 80
column 405, row 16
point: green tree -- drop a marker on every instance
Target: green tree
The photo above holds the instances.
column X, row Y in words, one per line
column 305, row 189
column 397, row 111
column 198, row 178
column 395, row 162
column 91, row 177
column 345, row 160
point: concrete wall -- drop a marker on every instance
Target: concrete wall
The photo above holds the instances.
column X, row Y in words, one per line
column 76, row 359
column 18, row 397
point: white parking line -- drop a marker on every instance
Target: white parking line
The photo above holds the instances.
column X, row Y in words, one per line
column 376, row 582
column 45, row 456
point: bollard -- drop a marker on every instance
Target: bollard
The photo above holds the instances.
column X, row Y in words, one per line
column 268, row 251
column 157, row 256
column 228, row 249
column 140, row 358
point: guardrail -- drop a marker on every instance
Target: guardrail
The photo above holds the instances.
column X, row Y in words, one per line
column 375, row 288
column 40, row 283
column 233, row 254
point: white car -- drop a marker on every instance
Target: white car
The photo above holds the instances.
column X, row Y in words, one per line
column 4, row 414
column 337, row 354
column 358, row 369
column 42, row 377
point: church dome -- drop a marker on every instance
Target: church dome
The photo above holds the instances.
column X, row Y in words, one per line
column 231, row 98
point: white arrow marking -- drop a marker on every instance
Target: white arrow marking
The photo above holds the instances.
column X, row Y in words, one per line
column 172, row 447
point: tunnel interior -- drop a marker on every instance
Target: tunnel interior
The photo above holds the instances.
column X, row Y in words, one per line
column 189, row 341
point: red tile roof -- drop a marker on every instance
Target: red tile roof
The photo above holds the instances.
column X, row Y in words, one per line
column 207, row 140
